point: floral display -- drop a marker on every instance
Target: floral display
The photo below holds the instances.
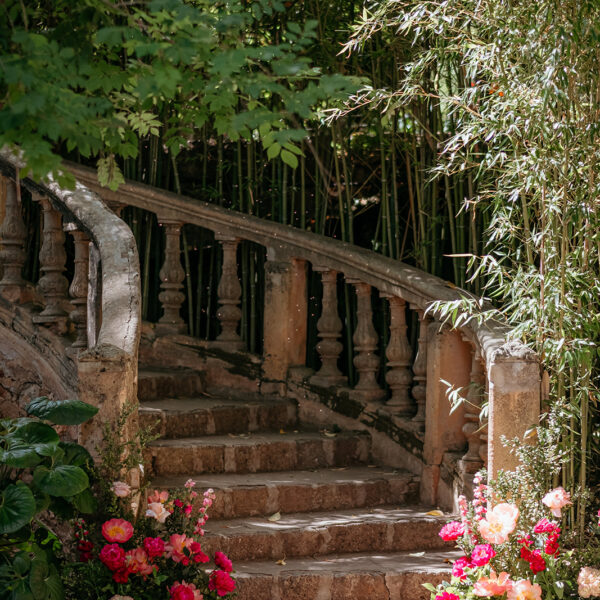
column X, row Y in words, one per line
column 157, row 555
column 513, row 549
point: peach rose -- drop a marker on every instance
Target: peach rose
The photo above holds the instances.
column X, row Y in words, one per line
column 120, row 489
column 524, row 590
column 157, row 496
column 499, row 523
column 557, row 499
column 494, row 585
column 157, row 511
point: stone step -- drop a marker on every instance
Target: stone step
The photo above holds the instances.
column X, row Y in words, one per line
column 381, row 576
column 263, row 494
column 381, row 529
column 155, row 384
column 207, row 415
column 257, row 452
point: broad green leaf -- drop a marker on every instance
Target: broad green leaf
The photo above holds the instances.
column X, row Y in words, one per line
column 18, row 454
column 289, row 159
column 37, row 577
column 62, row 480
column 17, row 508
column 75, row 454
column 37, row 434
column 61, row 412
column 85, row 502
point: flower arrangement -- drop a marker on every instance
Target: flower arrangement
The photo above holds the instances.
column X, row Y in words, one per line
column 513, row 550
column 156, row 556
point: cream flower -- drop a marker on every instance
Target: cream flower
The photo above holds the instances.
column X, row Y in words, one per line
column 557, row 499
column 589, row 582
column 157, row 511
column 524, row 590
column 120, row 489
column 499, row 523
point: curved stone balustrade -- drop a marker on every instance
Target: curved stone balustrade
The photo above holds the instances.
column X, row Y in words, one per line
column 99, row 325
column 418, row 401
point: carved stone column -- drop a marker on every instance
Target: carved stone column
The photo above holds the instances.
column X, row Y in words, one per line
column 399, row 359
column 53, row 283
column 12, row 244
column 471, row 461
column 79, row 287
column 419, row 390
column 171, row 276
column 329, row 327
column 365, row 343
column 229, row 292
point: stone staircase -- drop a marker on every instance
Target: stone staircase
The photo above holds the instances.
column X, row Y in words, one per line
column 303, row 513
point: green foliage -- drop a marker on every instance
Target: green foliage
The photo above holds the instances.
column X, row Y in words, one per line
column 38, row 472
column 95, row 76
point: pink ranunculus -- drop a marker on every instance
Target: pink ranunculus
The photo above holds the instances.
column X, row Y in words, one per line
column 556, row 499
column 157, row 496
column 524, row 590
column 494, row 585
column 589, row 582
column 221, row 582
column 154, row 547
column 157, row 511
column 117, row 530
column 223, row 562
column 447, row 596
column 189, row 484
column 482, row 554
column 120, row 489
column 499, row 523
column 459, row 566
column 136, row 561
column 112, row 556
column 545, row 526
column 452, row 531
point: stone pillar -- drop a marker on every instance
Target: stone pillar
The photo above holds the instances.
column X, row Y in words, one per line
column 471, row 461
column 79, row 288
column 365, row 343
column 230, row 292
column 419, row 390
column 171, row 276
column 399, row 359
column 94, row 295
column 448, row 360
column 12, row 245
column 329, row 327
column 285, row 316
column 53, row 283
column 514, row 401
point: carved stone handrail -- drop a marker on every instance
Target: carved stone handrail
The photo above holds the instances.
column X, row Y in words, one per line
column 511, row 368
column 106, row 363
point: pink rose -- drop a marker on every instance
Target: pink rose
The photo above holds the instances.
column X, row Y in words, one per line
column 185, row 591
column 556, row 499
column 221, row 582
column 112, row 556
column 459, row 566
column 223, row 562
column 154, row 546
column 447, row 596
column 482, row 554
column 545, row 526
column 120, row 489
column 452, row 531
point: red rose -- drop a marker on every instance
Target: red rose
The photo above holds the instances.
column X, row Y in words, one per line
column 223, row 562
column 113, row 556
column 182, row 591
column 221, row 582
column 121, row 576
column 154, row 547
column 537, row 562
column 551, row 546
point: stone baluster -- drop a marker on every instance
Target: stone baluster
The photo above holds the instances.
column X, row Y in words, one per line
column 171, row 276
column 79, row 287
column 329, row 327
column 471, row 461
column 94, row 295
column 365, row 343
column 53, row 284
column 229, row 292
column 399, row 359
column 419, row 390
column 12, row 244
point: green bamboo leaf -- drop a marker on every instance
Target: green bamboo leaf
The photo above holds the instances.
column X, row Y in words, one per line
column 273, row 151
column 61, row 412
column 289, row 159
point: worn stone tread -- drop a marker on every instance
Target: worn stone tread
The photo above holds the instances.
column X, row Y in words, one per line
column 373, row 529
column 258, row 452
column 360, row 576
column 156, row 384
column 215, row 415
column 256, row 494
